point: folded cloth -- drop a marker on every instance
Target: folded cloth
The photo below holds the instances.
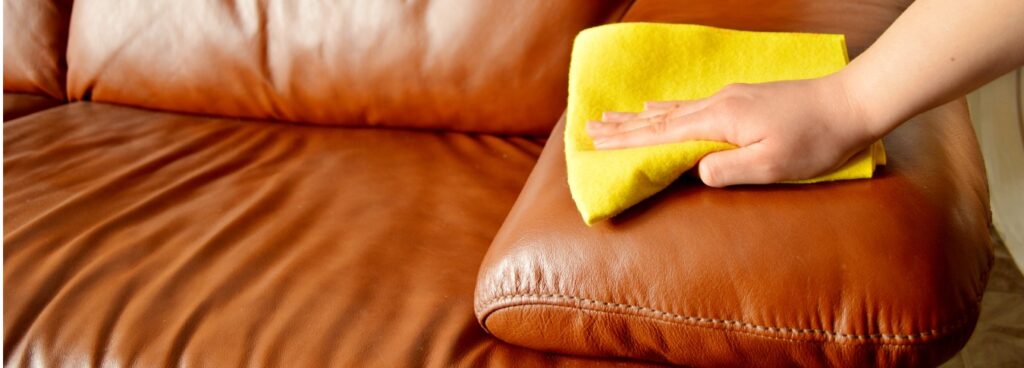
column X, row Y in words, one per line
column 618, row 67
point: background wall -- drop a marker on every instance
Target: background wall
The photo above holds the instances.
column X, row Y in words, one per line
column 998, row 113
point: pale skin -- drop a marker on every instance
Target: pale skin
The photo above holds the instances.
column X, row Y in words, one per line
column 936, row 51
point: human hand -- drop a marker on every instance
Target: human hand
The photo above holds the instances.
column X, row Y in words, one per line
column 785, row 130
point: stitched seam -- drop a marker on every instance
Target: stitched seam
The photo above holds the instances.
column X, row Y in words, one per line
column 732, row 323
column 888, row 346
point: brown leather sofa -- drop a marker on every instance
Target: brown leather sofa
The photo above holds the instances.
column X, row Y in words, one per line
column 220, row 183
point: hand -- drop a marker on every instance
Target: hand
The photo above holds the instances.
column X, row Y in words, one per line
column 785, row 130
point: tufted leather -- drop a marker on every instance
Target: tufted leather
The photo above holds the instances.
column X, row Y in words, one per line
column 35, row 37
column 481, row 66
column 881, row 272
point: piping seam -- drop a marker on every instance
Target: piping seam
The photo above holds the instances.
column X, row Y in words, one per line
column 726, row 322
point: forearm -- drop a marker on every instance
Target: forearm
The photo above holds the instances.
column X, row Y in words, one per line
column 937, row 50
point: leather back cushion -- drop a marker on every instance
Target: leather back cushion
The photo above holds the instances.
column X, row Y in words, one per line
column 35, row 37
column 861, row 21
column 483, row 66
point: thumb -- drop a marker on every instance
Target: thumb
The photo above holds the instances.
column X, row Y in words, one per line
column 744, row 165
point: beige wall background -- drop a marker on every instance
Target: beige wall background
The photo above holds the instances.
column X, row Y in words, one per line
column 997, row 110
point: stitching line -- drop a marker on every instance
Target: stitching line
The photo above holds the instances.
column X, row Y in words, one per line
column 886, row 345
column 733, row 323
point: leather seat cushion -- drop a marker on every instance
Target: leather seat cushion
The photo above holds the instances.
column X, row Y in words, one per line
column 17, row 105
column 136, row 238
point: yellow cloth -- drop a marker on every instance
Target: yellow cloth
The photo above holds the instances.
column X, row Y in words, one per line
column 618, row 67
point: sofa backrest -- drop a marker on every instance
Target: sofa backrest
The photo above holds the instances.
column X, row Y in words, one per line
column 35, row 37
column 465, row 65
column 862, row 21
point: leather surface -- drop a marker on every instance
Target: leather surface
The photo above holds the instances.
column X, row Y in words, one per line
column 881, row 272
column 862, row 21
column 17, row 105
column 135, row 238
column 998, row 339
column 35, row 39
column 480, row 66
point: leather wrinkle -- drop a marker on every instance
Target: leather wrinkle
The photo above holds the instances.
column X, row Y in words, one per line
column 117, row 222
column 245, row 215
column 264, row 61
column 270, row 197
column 127, row 175
column 107, row 63
column 110, row 321
column 225, row 291
column 346, row 315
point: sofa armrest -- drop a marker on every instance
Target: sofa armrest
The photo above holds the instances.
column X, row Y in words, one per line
column 887, row 271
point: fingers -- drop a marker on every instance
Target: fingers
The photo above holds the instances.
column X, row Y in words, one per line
column 696, row 126
column 681, row 107
column 666, row 105
column 613, row 122
column 745, row 165
column 603, row 129
column 618, row 117
column 619, row 122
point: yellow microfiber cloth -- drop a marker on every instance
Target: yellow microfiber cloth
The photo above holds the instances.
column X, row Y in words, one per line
column 618, row 67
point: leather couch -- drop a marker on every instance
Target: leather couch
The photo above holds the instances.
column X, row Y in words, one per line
column 371, row 183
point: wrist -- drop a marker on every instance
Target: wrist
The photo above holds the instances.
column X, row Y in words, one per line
column 876, row 111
